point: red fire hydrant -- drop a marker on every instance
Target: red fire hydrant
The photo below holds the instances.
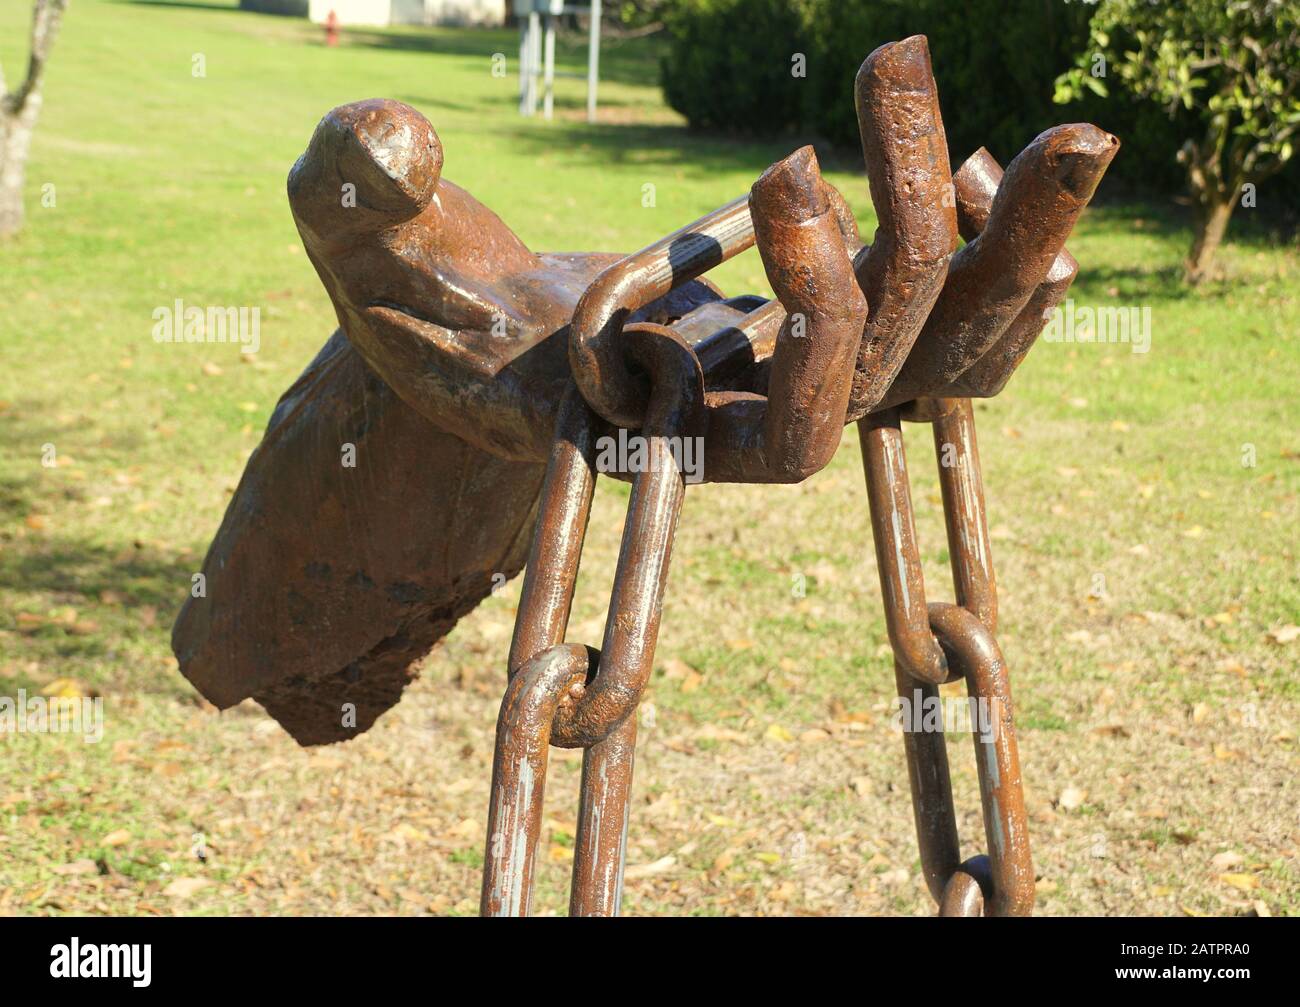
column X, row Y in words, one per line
column 332, row 29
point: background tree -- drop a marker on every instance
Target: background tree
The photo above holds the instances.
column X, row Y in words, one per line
column 1229, row 68
column 18, row 111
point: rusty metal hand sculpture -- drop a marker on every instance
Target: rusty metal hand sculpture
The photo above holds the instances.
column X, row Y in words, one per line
column 471, row 377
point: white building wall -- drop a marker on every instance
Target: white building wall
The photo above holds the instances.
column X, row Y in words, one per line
column 479, row 13
column 352, row 12
column 483, row 13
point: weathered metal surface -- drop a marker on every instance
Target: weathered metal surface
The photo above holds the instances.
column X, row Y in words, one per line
column 902, row 582
column 471, row 378
column 936, row 643
column 596, row 711
column 975, row 653
column 991, row 279
column 600, row 846
column 976, row 185
column 311, row 603
column 595, row 349
column 796, row 226
column 641, row 576
column 961, row 484
column 326, row 583
column 906, row 155
column 519, row 776
column 794, row 430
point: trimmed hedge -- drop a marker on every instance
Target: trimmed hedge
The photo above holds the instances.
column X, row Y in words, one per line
column 729, row 67
column 291, row 8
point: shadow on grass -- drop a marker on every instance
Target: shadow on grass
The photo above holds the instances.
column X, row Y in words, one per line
column 67, row 569
column 214, row 5
column 1164, row 283
column 101, row 614
column 1171, row 219
column 122, row 591
column 1156, row 283
column 668, row 147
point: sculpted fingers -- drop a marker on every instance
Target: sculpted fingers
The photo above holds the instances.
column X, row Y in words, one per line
column 976, row 185
column 992, row 279
column 906, row 157
column 794, row 431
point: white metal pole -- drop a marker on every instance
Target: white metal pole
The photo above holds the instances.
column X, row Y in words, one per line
column 523, row 66
column 593, row 60
column 548, row 97
column 534, row 57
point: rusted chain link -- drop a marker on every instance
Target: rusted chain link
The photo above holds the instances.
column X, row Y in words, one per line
column 799, row 223
column 595, row 341
column 519, row 776
column 937, row 643
column 568, row 695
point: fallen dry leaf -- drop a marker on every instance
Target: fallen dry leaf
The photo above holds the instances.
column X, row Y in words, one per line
column 560, row 854
column 678, row 669
column 1284, row 634
column 66, row 688
column 77, row 867
column 183, row 888
column 1245, row 882
column 660, row 866
column 406, row 833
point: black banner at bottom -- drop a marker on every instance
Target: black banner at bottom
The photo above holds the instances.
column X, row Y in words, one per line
column 366, row 956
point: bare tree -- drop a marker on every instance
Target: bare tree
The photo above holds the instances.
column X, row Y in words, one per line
column 18, row 111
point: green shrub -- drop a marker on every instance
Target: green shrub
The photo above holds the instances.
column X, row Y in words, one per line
column 995, row 61
column 728, row 67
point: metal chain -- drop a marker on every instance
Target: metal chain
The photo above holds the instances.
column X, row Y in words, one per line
column 572, row 696
column 939, row 643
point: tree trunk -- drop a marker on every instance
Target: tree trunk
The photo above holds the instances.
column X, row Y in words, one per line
column 15, row 142
column 18, row 112
column 1212, row 216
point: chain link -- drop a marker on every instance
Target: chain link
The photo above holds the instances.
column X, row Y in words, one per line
column 572, row 696
column 938, row 643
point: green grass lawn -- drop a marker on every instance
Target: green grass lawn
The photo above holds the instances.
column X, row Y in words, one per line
column 1143, row 564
